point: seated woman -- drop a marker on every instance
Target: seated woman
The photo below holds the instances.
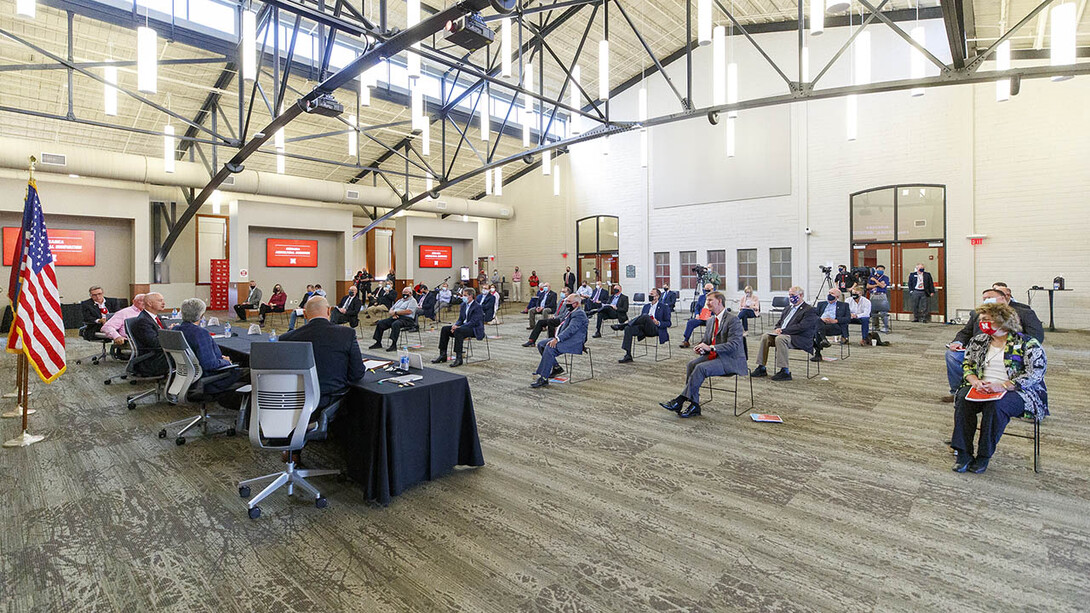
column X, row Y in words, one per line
column 1000, row 359
column 749, row 307
column 209, row 355
column 275, row 303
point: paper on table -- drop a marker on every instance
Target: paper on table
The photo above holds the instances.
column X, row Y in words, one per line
column 403, row 379
column 373, row 364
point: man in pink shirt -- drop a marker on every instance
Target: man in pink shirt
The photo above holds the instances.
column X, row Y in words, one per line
column 114, row 329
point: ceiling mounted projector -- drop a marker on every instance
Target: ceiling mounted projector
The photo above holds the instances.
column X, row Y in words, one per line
column 469, row 32
column 837, row 6
column 325, row 105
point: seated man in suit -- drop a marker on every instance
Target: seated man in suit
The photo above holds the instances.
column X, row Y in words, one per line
column 114, row 329
column 426, row 302
column 349, row 309
column 253, row 301
column 145, row 334
column 571, row 335
column 654, row 320
column 835, row 317
column 93, row 312
column 296, row 312
column 210, row 357
column 795, row 330
column 337, row 356
column 720, row 353
column 598, row 295
column 470, row 323
column 545, row 306
column 701, row 313
column 487, row 300
column 669, row 298
column 402, row 315
column 615, row 308
column 383, row 299
column 550, row 322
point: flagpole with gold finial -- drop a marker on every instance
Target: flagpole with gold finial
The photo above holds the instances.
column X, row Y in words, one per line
column 23, row 377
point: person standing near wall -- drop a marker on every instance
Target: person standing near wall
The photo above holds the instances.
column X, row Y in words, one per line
column 516, row 285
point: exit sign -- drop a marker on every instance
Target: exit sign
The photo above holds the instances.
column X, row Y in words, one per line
column 976, row 241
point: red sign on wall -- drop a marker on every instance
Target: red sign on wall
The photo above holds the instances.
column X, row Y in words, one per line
column 290, row 253
column 69, row 247
column 435, row 256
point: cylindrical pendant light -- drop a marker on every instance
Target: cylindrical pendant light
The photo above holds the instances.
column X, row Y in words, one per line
column 109, row 90
column 505, row 47
column 1064, row 29
column 365, row 87
column 425, row 140
column 278, row 139
column 605, row 145
column 147, row 60
column 417, row 109
column 703, row 22
column 817, row 17
column 486, row 116
column 719, row 66
column 25, row 8
column 488, row 183
column 643, row 148
column 412, row 64
column 498, row 182
column 556, row 180
column 249, row 45
column 353, row 137
column 1003, row 62
column 546, row 162
column 919, row 66
column 730, row 136
column 168, row 148
column 851, row 111
column 603, row 69
column 279, row 163
column 732, row 87
column 412, row 13
column 862, row 58
column 527, row 103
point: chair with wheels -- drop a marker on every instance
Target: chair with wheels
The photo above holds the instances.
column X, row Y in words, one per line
column 138, row 356
column 101, row 354
column 285, row 393
column 186, row 383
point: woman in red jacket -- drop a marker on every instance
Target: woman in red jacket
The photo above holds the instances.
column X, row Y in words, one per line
column 275, row 304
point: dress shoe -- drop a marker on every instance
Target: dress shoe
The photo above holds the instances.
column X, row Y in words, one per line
column 816, row 357
column 962, row 462
column 978, row 465
column 557, row 371
column 596, row 335
column 617, row 327
column 948, row 398
column 684, row 344
column 457, row 362
column 439, row 360
column 673, row 405
column 760, row 371
column 524, row 311
column 529, row 327
column 528, row 344
column 626, row 359
column 375, row 345
column 540, row 382
column 783, row 375
column 392, row 347
column 690, row 411
column 825, row 344
column 843, row 340
column 294, row 457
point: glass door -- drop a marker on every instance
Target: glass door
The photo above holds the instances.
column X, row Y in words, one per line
column 608, row 268
column 873, row 255
column 932, row 256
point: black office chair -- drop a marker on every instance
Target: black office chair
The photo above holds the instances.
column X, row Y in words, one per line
column 779, row 305
column 98, row 337
column 138, row 356
column 285, row 393
column 187, row 382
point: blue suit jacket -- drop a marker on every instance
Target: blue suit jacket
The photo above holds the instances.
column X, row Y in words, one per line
column 670, row 298
column 471, row 316
column 843, row 312
column 698, row 304
column 571, row 334
column 488, row 305
column 662, row 314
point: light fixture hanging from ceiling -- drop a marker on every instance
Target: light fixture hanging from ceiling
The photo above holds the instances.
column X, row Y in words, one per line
column 417, row 109
column 1003, row 62
column 862, row 58
column 719, row 66
column 109, row 90
column 168, row 148
column 546, row 162
column 527, row 102
column 556, row 179
column 368, row 79
column 838, row 6
column 249, row 45
column 280, row 163
column 919, row 66
column 1062, row 42
column 353, row 137
column 505, row 47
column 732, row 88
column 425, row 139
column 429, row 184
column 730, row 136
column 412, row 17
column 147, row 60
column 603, row 69
column 486, row 116
column 817, row 17
column 573, row 119
column 25, row 8
column 703, row 22
column 498, row 181
column 488, row 183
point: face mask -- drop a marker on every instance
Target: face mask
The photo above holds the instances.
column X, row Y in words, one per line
column 749, row 293
column 989, row 300
column 831, row 298
column 855, row 296
column 794, row 299
column 879, row 272
column 988, row 328
column 920, row 269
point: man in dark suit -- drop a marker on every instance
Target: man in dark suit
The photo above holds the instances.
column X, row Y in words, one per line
column 920, row 289
column 835, row 317
column 1031, row 324
column 487, row 300
column 94, row 312
column 545, row 306
column 569, row 279
column 144, row 329
column 549, row 322
column 349, row 309
column 795, row 330
column 599, row 295
column 426, row 301
column 470, row 323
column 720, row 353
column 616, row 308
column 669, row 297
column 337, row 355
column 571, row 335
column 653, row 321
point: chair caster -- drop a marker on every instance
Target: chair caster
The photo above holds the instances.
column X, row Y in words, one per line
column 244, row 491
column 179, row 441
column 107, row 382
column 321, row 503
column 79, row 361
column 94, row 361
column 255, row 512
column 230, row 432
column 163, row 433
column 132, row 405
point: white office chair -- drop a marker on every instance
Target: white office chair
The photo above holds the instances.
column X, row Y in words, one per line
column 285, row 393
column 186, row 382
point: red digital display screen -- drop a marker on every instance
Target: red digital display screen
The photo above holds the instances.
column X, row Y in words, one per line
column 436, row 256
column 290, row 253
column 69, row 247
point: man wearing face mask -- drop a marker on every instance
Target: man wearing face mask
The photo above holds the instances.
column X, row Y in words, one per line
column 571, row 336
column 615, row 308
column 860, row 312
column 844, row 279
column 401, row 316
column 550, row 322
column 878, row 286
column 653, row 321
column 348, row 310
column 384, row 299
column 598, row 295
column 835, row 316
column 795, row 330
column 920, row 289
column 545, row 306
column 700, row 314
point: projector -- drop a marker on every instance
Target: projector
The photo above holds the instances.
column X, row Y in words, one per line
column 469, row 32
column 325, row 105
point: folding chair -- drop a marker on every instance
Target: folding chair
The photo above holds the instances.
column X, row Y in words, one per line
column 569, row 363
column 646, row 348
column 712, row 389
column 468, row 343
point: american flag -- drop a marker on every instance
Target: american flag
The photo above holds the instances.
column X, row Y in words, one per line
column 38, row 330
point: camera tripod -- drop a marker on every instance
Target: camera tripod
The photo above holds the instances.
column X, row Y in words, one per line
column 828, row 281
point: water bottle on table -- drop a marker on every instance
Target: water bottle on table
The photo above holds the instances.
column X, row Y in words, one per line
column 227, row 329
column 405, row 359
column 273, row 337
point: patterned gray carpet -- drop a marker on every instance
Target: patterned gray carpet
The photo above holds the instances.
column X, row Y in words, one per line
column 593, row 499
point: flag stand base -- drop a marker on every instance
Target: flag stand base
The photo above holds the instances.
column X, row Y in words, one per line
column 24, row 440
column 18, row 412
column 15, row 394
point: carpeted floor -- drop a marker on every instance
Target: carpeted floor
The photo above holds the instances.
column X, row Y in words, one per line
column 593, row 499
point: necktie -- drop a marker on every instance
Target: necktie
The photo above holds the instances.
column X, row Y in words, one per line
column 158, row 322
column 102, row 308
column 715, row 332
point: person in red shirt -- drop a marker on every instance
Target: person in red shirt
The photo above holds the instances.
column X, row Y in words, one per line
column 275, row 304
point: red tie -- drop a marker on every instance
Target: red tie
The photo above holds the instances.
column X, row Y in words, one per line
column 102, row 309
column 715, row 332
column 158, row 321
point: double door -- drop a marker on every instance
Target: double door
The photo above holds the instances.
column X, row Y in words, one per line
column 900, row 260
column 598, row 267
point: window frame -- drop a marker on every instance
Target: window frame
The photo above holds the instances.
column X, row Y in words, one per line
column 773, row 277
column 661, row 279
column 747, row 279
column 688, row 277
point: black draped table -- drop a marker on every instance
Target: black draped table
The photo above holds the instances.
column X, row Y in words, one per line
column 394, row 437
